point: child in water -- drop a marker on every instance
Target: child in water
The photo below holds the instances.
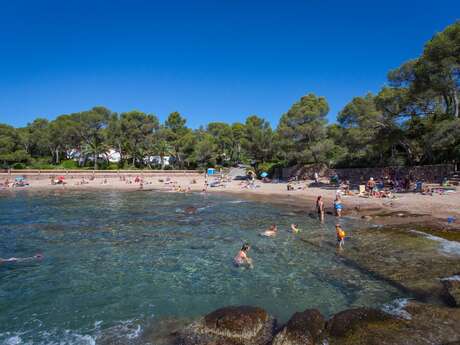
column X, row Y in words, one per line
column 271, row 231
column 295, row 228
column 242, row 259
column 338, row 206
column 340, row 235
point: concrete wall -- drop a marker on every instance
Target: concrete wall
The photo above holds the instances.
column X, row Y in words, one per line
column 426, row 173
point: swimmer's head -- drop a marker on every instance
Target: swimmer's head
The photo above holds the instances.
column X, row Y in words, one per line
column 245, row 247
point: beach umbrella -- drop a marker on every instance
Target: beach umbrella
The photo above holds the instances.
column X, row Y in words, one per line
column 61, row 178
column 19, row 178
column 264, row 174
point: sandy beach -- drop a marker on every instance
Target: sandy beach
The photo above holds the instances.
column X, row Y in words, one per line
column 403, row 207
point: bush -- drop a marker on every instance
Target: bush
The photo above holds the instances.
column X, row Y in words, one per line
column 41, row 163
column 19, row 166
column 69, row 164
column 112, row 166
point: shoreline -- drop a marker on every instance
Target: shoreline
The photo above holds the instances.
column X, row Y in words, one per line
column 406, row 208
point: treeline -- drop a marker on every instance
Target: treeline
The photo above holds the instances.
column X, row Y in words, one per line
column 413, row 120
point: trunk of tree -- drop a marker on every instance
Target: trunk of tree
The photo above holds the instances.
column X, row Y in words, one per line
column 57, row 156
column 134, row 161
column 95, row 161
column 455, row 104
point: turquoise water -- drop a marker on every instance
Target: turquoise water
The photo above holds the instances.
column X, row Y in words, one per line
column 117, row 263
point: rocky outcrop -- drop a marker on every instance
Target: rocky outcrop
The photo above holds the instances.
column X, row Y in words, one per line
column 305, row 328
column 241, row 325
column 427, row 325
column 452, row 289
column 419, row 324
column 350, row 319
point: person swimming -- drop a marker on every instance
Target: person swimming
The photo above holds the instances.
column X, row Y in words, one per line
column 271, row 231
column 15, row 260
column 340, row 235
column 295, row 228
column 242, row 259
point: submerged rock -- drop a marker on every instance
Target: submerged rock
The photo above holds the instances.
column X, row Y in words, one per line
column 347, row 320
column 236, row 325
column 305, row 328
column 452, row 289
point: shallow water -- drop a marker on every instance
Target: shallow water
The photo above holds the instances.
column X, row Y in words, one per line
column 117, row 263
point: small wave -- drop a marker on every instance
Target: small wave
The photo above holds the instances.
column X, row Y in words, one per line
column 447, row 247
column 13, row 340
column 452, row 278
column 67, row 337
column 236, row 201
column 396, row 308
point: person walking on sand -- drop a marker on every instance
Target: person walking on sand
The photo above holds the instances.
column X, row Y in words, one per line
column 316, row 176
column 371, row 186
column 340, row 236
column 320, row 208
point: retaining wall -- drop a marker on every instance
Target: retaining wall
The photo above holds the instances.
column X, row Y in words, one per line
column 426, row 173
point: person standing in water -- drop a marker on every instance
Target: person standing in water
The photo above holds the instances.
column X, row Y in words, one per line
column 242, row 259
column 340, row 236
column 338, row 206
column 320, row 208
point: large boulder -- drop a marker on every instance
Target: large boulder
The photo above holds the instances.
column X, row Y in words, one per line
column 235, row 325
column 350, row 319
column 452, row 289
column 305, row 328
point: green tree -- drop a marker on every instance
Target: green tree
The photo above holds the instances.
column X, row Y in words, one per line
column 302, row 130
column 258, row 140
column 138, row 130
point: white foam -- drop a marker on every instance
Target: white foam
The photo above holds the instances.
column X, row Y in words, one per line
column 446, row 246
column 14, row 340
column 68, row 337
column 452, row 278
column 396, row 308
column 236, row 201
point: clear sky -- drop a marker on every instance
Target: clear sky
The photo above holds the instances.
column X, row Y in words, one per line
column 211, row 60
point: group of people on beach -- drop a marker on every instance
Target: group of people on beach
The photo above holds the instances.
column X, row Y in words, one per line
column 243, row 260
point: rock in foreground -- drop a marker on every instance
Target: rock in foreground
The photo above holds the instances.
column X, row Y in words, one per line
column 452, row 289
column 428, row 325
column 242, row 325
column 305, row 328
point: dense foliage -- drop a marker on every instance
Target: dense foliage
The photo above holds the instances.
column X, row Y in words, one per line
column 414, row 119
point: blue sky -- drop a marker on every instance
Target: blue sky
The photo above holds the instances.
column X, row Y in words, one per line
column 212, row 60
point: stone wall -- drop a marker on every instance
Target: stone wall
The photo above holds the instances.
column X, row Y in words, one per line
column 426, row 173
